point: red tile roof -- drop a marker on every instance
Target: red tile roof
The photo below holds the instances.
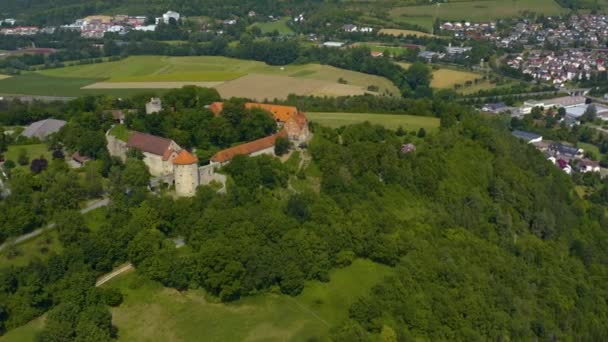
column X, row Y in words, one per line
column 216, row 108
column 185, row 158
column 150, row 143
column 280, row 113
column 247, row 148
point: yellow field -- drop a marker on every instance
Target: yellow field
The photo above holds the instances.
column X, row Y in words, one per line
column 447, row 78
column 2, row 77
column 398, row 32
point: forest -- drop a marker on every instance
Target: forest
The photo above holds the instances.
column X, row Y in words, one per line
column 489, row 241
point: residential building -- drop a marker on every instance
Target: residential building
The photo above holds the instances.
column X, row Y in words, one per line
column 170, row 15
column 158, row 152
column 528, row 137
column 154, row 106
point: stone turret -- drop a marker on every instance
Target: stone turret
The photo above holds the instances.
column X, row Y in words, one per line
column 185, row 169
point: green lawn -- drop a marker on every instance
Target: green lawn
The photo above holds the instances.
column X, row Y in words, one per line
column 33, row 152
column 25, row 333
column 391, row 121
column 271, row 26
column 591, row 148
column 153, row 313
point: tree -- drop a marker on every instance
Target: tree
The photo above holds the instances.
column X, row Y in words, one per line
column 421, row 133
column 22, row 157
column 58, row 154
column 39, row 165
column 590, row 114
column 71, row 227
column 136, row 173
column 281, row 146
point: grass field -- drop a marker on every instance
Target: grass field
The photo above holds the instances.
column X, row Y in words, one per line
column 153, row 313
column 25, row 333
column 475, row 11
column 279, row 26
column 3, row 77
column 591, row 148
column 153, row 72
column 391, row 121
column 33, row 152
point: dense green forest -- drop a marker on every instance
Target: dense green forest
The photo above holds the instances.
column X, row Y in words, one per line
column 489, row 240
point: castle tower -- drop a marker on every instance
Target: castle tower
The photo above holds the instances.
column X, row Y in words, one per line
column 185, row 170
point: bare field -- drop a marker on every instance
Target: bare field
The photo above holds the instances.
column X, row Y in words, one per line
column 398, row 32
column 261, row 87
column 149, row 85
column 253, row 86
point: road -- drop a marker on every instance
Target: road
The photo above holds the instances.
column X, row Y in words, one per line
column 106, row 278
column 37, row 232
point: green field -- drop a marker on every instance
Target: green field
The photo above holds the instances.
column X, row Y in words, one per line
column 33, row 152
column 26, row 333
column 391, row 121
column 153, row 313
column 279, row 26
column 474, row 11
column 68, row 81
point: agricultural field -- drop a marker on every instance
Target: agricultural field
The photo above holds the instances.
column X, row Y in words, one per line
column 391, row 121
column 445, row 78
column 3, row 77
column 232, row 77
column 279, row 26
column 475, row 11
column 398, row 32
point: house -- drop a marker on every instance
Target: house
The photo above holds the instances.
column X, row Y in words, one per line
column 366, row 29
column 170, row 15
column 566, row 151
column 564, row 166
column 154, row 106
column 158, row 152
column 254, row 148
column 79, row 159
column 42, row 129
column 376, row 54
column 333, row 44
column 349, row 28
column 528, row 137
column 586, row 165
column 289, row 118
column 495, row 108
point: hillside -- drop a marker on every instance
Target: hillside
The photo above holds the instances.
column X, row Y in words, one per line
column 472, row 236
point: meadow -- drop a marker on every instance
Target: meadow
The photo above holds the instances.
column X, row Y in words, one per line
column 475, row 11
column 131, row 75
column 33, row 151
column 271, row 26
column 391, row 121
column 445, row 78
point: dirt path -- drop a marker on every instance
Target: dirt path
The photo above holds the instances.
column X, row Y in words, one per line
column 106, row 278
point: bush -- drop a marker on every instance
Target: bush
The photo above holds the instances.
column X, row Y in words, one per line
column 112, row 297
column 281, row 146
column 22, row 157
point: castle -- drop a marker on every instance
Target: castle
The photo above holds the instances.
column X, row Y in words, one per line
column 170, row 163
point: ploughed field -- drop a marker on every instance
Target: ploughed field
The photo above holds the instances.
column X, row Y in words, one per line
column 232, row 77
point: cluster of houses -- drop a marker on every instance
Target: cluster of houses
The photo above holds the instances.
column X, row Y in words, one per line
column 97, row 26
column 464, row 30
column 569, row 159
column 560, row 67
column 351, row 28
column 19, row 31
column 170, row 163
column 573, row 31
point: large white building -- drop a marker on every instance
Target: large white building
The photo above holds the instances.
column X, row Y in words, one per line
column 166, row 18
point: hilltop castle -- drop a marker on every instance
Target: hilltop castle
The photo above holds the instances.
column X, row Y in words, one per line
column 170, row 163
